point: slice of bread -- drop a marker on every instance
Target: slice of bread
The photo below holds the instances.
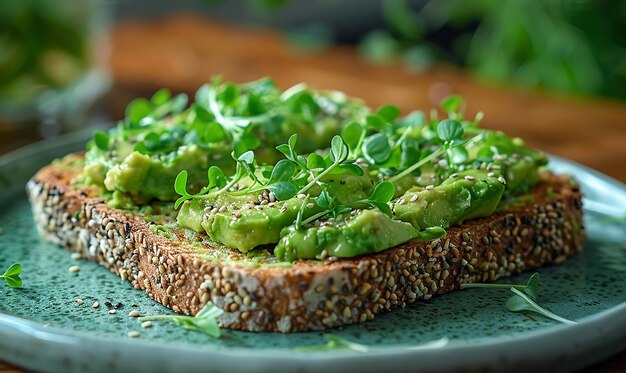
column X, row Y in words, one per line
column 308, row 295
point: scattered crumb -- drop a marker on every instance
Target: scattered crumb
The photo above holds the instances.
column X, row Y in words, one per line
column 78, row 301
column 95, row 305
column 76, row 256
column 111, row 312
column 134, row 313
column 133, row 334
column 74, row 269
column 109, row 304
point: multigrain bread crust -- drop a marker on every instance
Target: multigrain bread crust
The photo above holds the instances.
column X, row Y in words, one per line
column 309, row 295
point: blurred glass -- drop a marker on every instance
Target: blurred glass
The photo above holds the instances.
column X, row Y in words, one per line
column 52, row 65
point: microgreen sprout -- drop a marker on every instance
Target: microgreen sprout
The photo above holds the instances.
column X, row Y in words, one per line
column 417, row 165
column 338, row 157
column 531, row 287
column 376, row 148
column 216, row 179
column 524, row 298
column 452, row 105
column 448, row 131
column 379, row 199
column 12, row 276
column 205, row 320
column 381, row 196
column 335, row 343
column 101, row 140
column 522, row 301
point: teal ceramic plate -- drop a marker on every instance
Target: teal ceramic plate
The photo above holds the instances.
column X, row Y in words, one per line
column 42, row 327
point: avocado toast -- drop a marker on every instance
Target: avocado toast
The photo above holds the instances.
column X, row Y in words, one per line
column 361, row 212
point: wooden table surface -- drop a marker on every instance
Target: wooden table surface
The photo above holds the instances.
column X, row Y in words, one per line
column 182, row 52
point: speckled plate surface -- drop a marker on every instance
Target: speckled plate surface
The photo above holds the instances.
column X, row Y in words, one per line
column 43, row 328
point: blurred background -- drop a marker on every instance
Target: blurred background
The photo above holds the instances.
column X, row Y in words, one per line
column 550, row 71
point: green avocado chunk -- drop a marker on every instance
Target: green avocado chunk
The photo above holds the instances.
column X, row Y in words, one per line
column 235, row 221
column 468, row 195
column 369, row 231
column 145, row 178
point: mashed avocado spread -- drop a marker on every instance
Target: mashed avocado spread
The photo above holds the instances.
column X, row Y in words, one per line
column 307, row 174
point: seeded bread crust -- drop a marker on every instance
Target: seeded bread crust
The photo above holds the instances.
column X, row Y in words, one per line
column 309, row 295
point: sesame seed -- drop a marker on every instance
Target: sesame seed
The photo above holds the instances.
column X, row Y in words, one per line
column 491, row 174
column 469, row 178
column 95, row 305
column 133, row 334
column 134, row 313
column 74, row 269
column 283, row 209
column 222, row 209
column 430, row 187
column 146, row 324
column 111, row 312
column 78, row 301
column 414, row 198
column 310, row 205
column 214, row 210
column 237, row 214
column 502, row 180
column 301, row 195
column 76, row 256
column 401, row 201
column 454, row 175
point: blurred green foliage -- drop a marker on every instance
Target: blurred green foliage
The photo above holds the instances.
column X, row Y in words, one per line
column 43, row 45
column 571, row 46
column 568, row 46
